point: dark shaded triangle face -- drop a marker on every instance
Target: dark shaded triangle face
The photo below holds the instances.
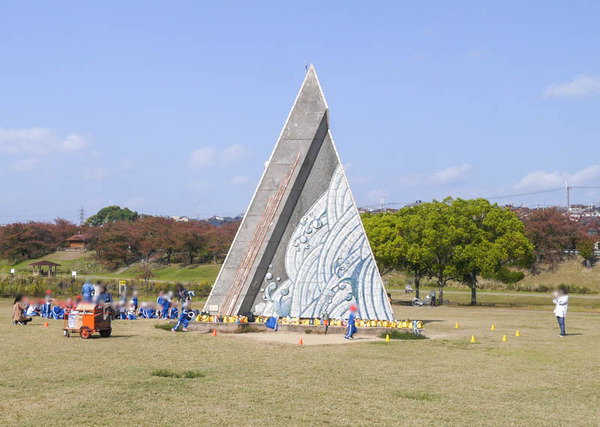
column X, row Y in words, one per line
column 301, row 250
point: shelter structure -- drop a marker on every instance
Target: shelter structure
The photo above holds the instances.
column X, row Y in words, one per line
column 78, row 242
column 301, row 249
column 44, row 268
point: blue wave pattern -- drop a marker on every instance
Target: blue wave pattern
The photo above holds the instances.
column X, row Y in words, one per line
column 328, row 263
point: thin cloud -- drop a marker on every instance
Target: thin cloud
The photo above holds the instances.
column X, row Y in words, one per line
column 210, row 156
column 36, row 141
column 449, row 175
column 542, row 180
column 239, row 180
column 446, row 176
column 203, row 157
column 582, row 85
column 25, row 165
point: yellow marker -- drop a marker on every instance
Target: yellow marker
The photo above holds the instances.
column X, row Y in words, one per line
column 456, row 326
column 504, row 337
column 493, row 328
column 387, row 338
column 473, row 339
column 517, row 334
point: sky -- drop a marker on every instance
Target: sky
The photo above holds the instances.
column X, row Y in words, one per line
column 172, row 108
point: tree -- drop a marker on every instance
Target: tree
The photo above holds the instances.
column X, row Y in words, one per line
column 439, row 242
column 552, row 232
column 396, row 240
column 585, row 247
column 111, row 214
column 29, row 240
column 491, row 238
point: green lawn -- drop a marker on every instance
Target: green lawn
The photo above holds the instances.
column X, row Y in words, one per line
column 87, row 266
column 504, row 299
column 538, row 379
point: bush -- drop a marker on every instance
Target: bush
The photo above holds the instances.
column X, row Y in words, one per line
column 402, row 335
column 166, row 373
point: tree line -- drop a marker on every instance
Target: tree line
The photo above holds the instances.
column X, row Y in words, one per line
column 466, row 240
column 121, row 242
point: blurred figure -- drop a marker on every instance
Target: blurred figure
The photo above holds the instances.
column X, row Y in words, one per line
column 87, row 291
column 561, row 301
column 135, row 301
column 163, row 305
column 19, row 317
column 104, row 297
column 47, row 309
column 352, row 329
column 183, row 294
column 33, row 309
column 184, row 317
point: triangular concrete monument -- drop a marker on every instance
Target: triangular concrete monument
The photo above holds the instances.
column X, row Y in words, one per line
column 301, row 249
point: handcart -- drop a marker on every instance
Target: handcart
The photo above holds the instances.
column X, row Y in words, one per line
column 86, row 319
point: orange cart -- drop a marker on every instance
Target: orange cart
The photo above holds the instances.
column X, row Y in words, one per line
column 86, row 319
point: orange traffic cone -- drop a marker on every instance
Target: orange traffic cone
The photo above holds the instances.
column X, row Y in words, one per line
column 300, row 342
column 46, row 324
column 214, row 332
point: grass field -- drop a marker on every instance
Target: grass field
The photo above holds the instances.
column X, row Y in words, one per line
column 147, row 376
column 87, row 266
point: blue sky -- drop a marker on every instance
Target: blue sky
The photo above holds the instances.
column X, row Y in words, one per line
column 172, row 108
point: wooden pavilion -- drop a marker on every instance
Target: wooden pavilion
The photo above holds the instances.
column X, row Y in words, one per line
column 38, row 268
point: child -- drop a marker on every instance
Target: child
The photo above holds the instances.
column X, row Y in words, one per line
column 184, row 318
column 163, row 305
column 352, row 329
column 47, row 309
column 33, row 310
column 131, row 311
column 134, row 300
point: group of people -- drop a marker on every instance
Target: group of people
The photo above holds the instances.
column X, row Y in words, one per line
column 166, row 308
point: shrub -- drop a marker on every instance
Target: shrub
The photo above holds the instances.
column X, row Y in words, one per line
column 402, row 335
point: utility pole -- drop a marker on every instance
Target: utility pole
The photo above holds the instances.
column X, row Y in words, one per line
column 568, row 197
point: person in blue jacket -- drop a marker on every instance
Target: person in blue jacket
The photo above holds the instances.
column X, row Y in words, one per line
column 163, row 304
column 352, row 329
column 87, row 291
column 184, row 318
column 104, row 297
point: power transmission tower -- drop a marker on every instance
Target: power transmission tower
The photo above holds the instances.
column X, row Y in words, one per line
column 81, row 216
column 568, row 197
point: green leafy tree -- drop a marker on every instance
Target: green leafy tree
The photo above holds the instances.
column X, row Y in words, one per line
column 585, row 247
column 396, row 241
column 111, row 214
column 490, row 239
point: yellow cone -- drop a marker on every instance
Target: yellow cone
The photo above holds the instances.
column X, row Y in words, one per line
column 473, row 340
column 517, row 334
column 387, row 338
column 504, row 337
column 456, row 326
column 493, row 328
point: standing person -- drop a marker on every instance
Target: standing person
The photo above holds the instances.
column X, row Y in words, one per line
column 325, row 318
column 19, row 317
column 104, row 297
column 87, row 291
column 561, row 301
column 183, row 295
column 47, row 311
column 352, row 329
